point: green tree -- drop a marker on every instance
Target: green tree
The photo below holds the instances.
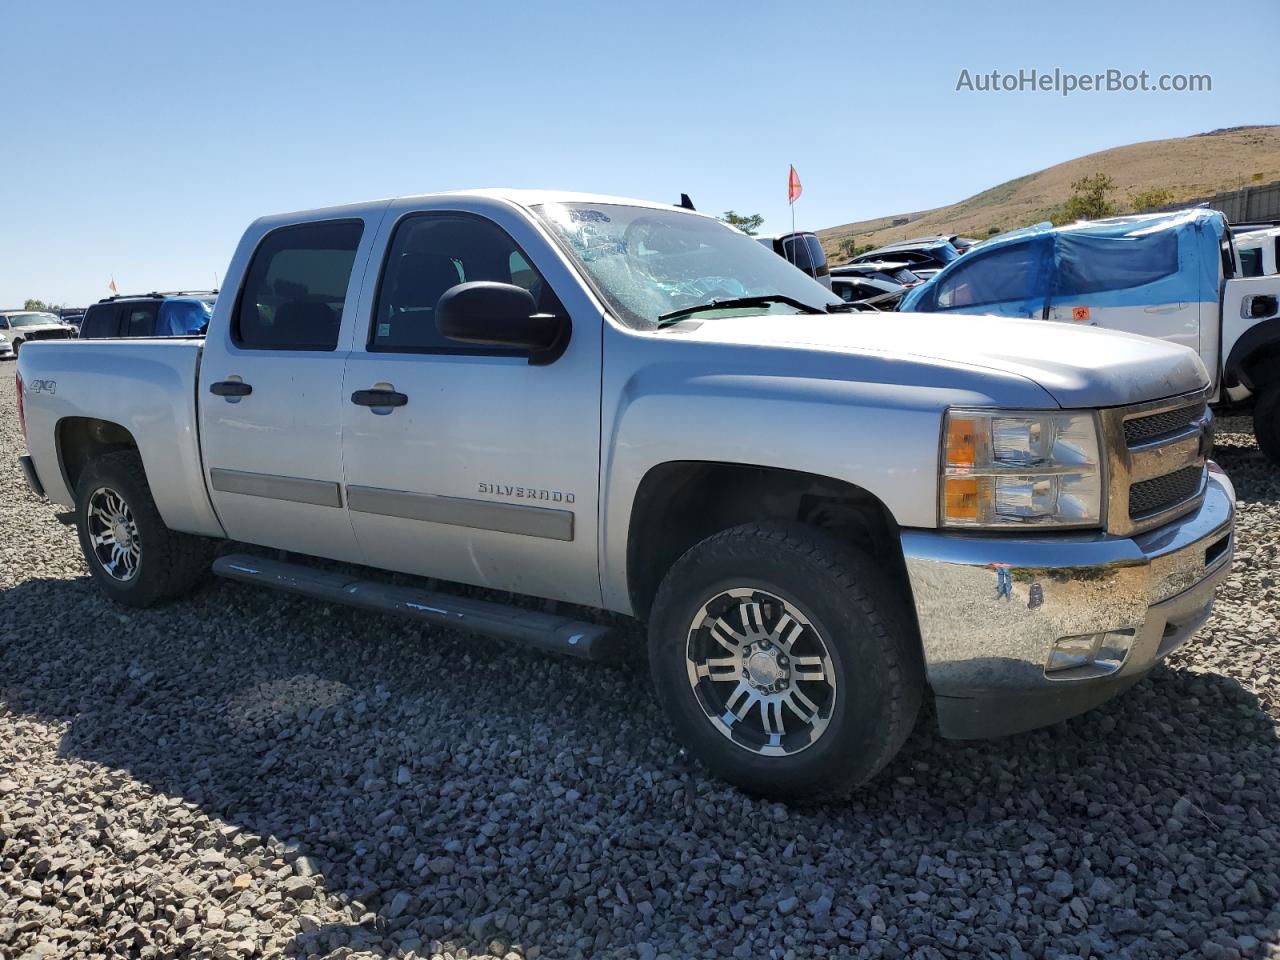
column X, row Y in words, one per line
column 1150, row 199
column 41, row 306
column 851, row 248
column 749, row 225
column 1088, row 201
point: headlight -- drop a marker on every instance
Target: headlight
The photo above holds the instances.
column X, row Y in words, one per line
column 3, row 338
column 1005, row 469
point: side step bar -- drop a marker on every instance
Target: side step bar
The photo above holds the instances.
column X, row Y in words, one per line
column 532, row 628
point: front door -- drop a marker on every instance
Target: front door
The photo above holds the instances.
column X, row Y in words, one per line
column 487, row 474
column 270, row 389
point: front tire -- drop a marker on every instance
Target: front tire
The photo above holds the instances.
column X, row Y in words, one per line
column 784, row 660
column 133, row 556
column 17, row 345
column 1266, row 422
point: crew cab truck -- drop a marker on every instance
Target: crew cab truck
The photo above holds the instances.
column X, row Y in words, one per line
column 619, row 405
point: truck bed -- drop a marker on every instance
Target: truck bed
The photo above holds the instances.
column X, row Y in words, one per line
column 146, row 386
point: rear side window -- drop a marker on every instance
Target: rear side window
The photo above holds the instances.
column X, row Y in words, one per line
column 1251, row 261
column 99, row 322
column 296, row 286
column 432, row 252
column 1097, row 264
column 140, row 320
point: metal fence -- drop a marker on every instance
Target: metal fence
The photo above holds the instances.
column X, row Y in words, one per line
column 1246, row 205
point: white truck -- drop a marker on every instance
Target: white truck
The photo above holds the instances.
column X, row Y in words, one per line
column 1178, row 276
column 610, row 404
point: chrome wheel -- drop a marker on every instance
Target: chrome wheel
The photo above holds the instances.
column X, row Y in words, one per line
column 113, row 534
column 761, row 672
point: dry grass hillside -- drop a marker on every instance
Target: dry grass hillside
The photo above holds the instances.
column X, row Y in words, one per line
column 1187, row 167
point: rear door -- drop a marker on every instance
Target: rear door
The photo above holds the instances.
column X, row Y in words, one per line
column 488, row 473
column 271, row 381
column 1139, row 287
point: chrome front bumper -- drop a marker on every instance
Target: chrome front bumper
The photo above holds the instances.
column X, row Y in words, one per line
column 991, row 609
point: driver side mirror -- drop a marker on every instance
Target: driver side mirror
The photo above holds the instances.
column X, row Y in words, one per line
column 501, row 315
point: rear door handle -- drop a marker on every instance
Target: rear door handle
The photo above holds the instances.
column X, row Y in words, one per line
column 378, row 398
column 230, row 388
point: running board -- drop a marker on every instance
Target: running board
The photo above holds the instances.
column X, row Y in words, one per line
column 532, row 628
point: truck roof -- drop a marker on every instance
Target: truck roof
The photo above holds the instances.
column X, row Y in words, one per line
column 525, row 198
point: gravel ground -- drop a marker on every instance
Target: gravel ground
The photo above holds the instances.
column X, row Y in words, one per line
column 248, row 774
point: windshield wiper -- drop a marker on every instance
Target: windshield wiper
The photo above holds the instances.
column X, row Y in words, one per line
column 761, row 301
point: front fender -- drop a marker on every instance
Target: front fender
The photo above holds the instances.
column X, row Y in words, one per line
column 871, row 422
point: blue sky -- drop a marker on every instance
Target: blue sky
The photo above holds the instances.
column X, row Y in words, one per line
column 138, row 139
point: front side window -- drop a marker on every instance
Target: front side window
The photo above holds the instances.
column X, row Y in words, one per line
column 296, row 286
column 649, row 262
column 431, row 252
column 1003, row 276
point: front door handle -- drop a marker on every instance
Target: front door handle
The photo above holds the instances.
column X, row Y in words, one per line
column 230, row 388
column 378, row 398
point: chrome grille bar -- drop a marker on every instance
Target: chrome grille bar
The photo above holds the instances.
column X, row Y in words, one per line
column 1156, row 456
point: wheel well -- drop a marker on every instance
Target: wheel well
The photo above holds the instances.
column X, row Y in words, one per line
column 81, row 439
column 679, row 504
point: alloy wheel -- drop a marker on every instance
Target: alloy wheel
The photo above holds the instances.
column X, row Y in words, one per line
column 761, row 672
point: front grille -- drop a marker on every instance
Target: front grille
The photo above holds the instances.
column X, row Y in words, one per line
column 47, row 335
column 1162, row 493
column 1143, row 429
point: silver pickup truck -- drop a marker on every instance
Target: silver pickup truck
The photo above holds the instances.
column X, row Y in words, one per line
column 590, row 402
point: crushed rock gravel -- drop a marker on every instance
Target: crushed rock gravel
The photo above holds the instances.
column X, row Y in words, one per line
column 246, row 774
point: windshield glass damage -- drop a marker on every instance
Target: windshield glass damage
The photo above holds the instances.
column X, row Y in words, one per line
column 653, row 263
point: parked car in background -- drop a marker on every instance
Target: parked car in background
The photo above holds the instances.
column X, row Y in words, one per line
column 72, row 316
column 868, row 292
column 1171, row 275
column 1259, row 251
column 179, row 314
column 804, row 250
column 924, row 255
column 624, row 405
column 888, row 270
column 22, row 326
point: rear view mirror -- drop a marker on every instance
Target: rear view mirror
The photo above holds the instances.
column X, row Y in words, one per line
column 1258, row 307
column 501, row 315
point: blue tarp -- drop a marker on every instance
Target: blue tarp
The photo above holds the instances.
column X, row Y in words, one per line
column 1141, row 260
column 183, row 316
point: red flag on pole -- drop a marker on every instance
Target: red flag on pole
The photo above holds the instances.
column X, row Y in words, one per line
column 793, row 186
column 112, row 285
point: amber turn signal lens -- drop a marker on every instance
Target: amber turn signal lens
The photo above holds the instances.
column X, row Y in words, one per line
column 962, row 441
column 960, row 501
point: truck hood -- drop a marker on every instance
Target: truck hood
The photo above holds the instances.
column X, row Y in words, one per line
column 1078, row 366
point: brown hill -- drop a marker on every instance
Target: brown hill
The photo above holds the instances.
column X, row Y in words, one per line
column 1187, row 167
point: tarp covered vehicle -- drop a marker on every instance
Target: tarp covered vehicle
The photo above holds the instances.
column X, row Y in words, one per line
column 1174, row 276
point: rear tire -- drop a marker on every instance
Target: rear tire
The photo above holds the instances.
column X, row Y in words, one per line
column 133, row 556
column 820, row 721
column 1266, row 422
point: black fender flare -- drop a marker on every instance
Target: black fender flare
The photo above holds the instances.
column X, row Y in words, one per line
column 1256, row 338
